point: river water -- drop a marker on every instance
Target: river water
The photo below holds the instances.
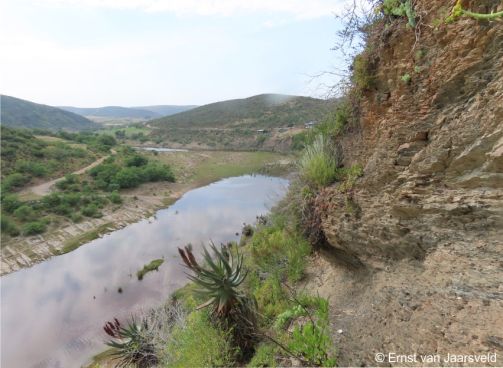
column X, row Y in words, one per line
column 52, row 313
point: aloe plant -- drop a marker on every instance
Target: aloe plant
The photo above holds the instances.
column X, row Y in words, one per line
column 218, row 282
column 131, row 345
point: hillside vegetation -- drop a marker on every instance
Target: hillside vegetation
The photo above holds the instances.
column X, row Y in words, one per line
column 19, row 113
column 265, row 121
column 28, row 158
column 260, row 112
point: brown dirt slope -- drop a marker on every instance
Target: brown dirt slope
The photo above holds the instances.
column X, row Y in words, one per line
column 425, row 232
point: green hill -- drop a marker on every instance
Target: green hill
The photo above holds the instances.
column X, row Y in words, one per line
column 264, row 122
column 19, row 113
column 260, row 112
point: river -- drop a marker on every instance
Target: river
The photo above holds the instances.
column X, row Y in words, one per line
column 52, row 313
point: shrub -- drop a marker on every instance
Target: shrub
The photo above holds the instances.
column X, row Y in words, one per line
column 8, row 226
column 156, row 172
column 67, row 182
column 51, row 200
column 30, row 167
column 24, row 213
column 14, row 180
column 76, row 217
column 318, row 164
column 33, row 228
column 128, row 177
column 10, row 202
column 115, row 197
column 72, row 199
column 63, row 209
column 136, row 160
column 91, row 210
column 299, row 141
column 363, row 72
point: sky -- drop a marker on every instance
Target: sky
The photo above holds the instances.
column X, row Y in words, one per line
column 91, row 53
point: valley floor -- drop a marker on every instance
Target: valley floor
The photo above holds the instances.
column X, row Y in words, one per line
column 192, row 169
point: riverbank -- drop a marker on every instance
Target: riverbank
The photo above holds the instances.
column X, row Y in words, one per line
column 191, row 169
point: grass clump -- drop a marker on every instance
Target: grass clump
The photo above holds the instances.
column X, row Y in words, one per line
column 318, row 164
column 279, row 250
column 200, row 343
column 265, row 356
column 152, row 266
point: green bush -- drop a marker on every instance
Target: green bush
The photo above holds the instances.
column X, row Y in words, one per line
column 8, row 226
column 91, row 210
column 136, row 160
column 14, row 180
column 128, row 177
column 318, row 164
column 115, row 197
column 30, row 167
column 363, row 72
column 10, row 202
column 35, row 227
column 76, row 217
column 67, row 182
column 24, row 213
column 157, row 172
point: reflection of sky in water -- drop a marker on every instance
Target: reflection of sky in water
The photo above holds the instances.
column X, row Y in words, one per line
column 53, row 312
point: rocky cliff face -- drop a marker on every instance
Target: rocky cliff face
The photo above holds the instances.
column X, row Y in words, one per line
column 426, row 219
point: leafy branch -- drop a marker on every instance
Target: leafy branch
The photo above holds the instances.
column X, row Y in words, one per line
column 458, row 11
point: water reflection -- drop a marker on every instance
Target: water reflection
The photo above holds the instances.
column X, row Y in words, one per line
column 52, row 313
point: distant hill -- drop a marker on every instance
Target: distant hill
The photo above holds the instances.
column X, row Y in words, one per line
column 261, row 111
column 19, row 113
column 112, row 112
column 262, row 122
column 166, row 110
column 119, row 112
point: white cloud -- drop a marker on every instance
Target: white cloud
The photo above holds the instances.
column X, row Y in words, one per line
column 300, row 9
